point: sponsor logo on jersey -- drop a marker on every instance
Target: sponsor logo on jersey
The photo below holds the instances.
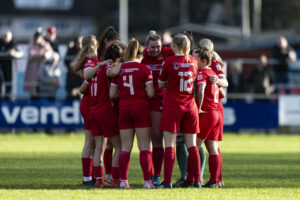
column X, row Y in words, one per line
column 155, row 67
column 218, row 66
column 185, row 65
column 128, row 70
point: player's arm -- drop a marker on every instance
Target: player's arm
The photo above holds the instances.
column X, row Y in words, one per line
column 221, row 93
column 200, row 95
column 84, row 87
column 90, row 72
column 162, row 79
column 114, row 71
column 113, row 91
column 220, row 80
column 149, row 89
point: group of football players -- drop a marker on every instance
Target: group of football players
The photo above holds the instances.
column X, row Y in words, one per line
column 163, row 95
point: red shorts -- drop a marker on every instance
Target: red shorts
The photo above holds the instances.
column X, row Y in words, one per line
column 156, row 105
column 172, row 120
column 137, row 116
column 104, row 123
column 84, row 110
column 209, row 125
column 221, row 112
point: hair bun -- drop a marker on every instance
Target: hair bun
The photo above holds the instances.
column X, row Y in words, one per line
column 152, row 32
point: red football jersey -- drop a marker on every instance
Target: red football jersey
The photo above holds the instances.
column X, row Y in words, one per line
column 179, row 75
column 155, row 64
column 87, row 64
column 217, row 68
column 211, row 92
column 131, row 83
column 99, row 91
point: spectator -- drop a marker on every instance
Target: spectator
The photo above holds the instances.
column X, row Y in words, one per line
column 73, row 81
column 49, row 77
column 50, row 37
column 235, row 79
column 261, row 78
column 8, row 51
column 166, row 39
column 282, row 52
column 38, row 51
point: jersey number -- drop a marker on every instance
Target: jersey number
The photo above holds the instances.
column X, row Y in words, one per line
column 94, row 87
column 216, row 99
column 129, row 83
column 184, row 84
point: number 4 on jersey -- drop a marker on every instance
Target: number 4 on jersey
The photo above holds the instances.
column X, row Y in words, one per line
column 129, row 83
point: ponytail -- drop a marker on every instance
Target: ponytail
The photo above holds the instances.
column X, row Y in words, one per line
column 183, row 43
column 133, row 50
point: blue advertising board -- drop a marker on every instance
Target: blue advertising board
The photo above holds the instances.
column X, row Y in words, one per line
column 66, row 115
column 259, row 115
column 40, row 114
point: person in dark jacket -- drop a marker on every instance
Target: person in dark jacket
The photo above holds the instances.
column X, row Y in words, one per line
column 73, row 80
column 261, row 78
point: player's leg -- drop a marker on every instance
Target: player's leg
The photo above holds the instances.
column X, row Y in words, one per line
column 127, row 136
column 182, row 156
column 116, row 143
column 158, row 150
column 98, row 161
column 144, row 143
column 203, row 160
column 214, row 163
column 87, row 158
column 193, row 162
column 107, row 159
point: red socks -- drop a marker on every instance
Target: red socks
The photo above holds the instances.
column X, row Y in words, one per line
column 107, row 159
column 115, row 173
column 87, row 164
column 158, row 158
column 221, row 165
column 124, row 159
column 214, row 165
column 98, row 172
column 146, row 164
column 169, row 160
column 193, row 165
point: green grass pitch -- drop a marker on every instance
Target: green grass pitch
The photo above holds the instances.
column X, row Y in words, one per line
column 38, row 166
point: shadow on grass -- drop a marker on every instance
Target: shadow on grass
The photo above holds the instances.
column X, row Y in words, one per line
column 63, row 171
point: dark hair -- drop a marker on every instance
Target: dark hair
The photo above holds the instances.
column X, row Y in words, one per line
column 152, row 36
column 189, row 34
column 113, row 52
column 204, row 53
column 110, row 34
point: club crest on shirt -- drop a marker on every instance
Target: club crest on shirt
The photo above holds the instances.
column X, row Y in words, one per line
column 160, row 57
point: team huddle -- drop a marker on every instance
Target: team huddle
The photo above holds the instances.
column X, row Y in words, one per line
column 162, row 95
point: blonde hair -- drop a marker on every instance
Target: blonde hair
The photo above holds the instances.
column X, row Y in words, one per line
column 208, row 44
column 182, row 42
column 89, row 45
column 133, row 50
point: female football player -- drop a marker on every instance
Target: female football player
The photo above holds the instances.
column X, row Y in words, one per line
column 180, row 110
column 133, row 86
column 154, row 55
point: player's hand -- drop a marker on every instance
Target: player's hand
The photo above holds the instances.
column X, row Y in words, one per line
column 201, row 111
column 213, row 79
column 107, row 62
